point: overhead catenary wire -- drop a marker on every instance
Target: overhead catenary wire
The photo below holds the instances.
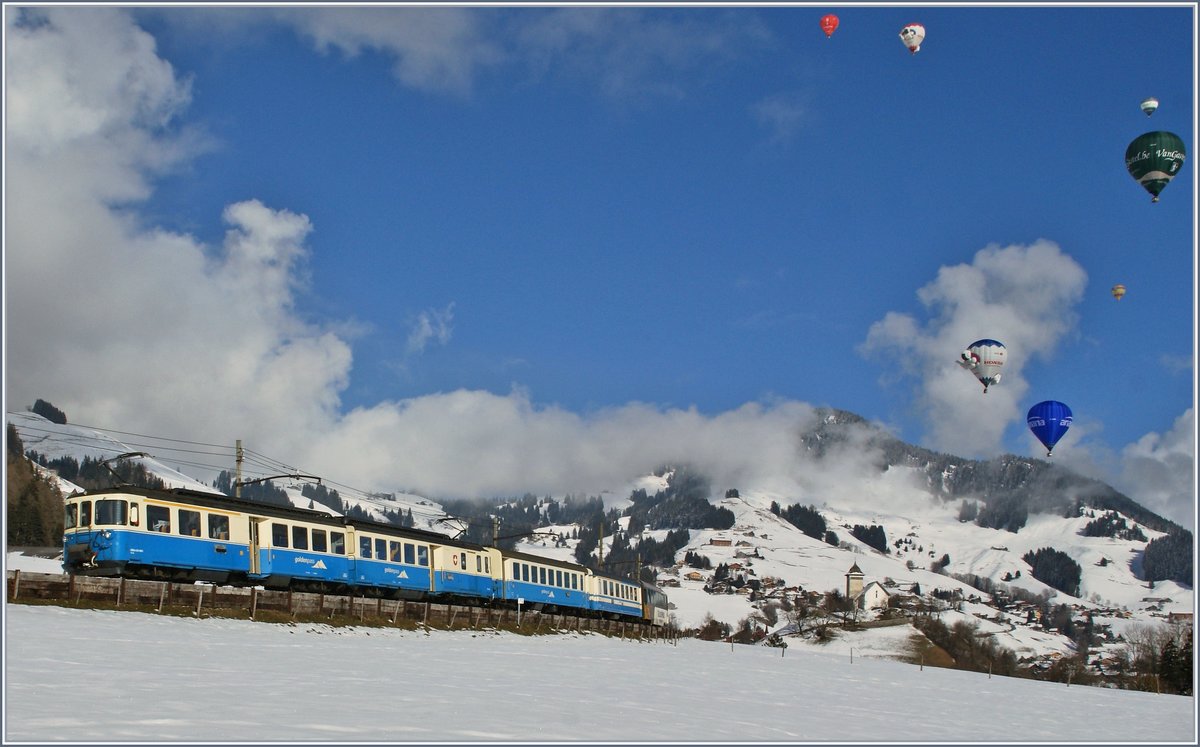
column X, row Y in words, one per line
column 159, row 449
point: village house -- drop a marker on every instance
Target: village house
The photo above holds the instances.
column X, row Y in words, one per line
column 1180, row 617
column 872, row 597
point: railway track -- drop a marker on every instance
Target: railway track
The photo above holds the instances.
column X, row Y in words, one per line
column 208, row 600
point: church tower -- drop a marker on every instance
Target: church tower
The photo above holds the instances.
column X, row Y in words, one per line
column 854, row 581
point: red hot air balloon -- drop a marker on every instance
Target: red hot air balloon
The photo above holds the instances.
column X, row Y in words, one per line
column 829, row 24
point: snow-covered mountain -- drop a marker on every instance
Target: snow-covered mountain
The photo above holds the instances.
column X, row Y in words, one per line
column 916, row 497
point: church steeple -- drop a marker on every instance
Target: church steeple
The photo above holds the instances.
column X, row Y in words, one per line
column 854, row 581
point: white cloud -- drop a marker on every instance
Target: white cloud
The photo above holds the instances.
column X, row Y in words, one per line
column 1158, row 471
column 623, row 52
column 781, row 114
column 432, row 48
column 1023, row 296
column 473, row 443
column 431, row 325
column 118, row 322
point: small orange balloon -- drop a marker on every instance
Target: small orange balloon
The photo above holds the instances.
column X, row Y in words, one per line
column 829, row 24
column 1118, row 290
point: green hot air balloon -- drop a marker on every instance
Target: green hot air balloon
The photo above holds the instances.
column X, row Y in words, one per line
column 1153, row 159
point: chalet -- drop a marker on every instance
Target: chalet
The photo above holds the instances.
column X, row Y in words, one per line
column 1180, row 617
column 694, row 576
column 718, row 542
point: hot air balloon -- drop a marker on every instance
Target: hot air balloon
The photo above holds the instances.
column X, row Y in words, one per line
column 1049, row 420
column 1149, row 105
column 984, row 358
column 829, row 24
column 912, row 35
column 1118, row 291
column 1153, row 159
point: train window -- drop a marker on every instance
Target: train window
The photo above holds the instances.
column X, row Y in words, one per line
column 394, row 552
column 542, row 576
column 279, row 535
column 337, row 543
column 462, row 560
column 133, row 514
column 300, row 538
column 487, row 565
column 410, row 553
column 558, row 578
column 381, row 549
column 158, row 518
column 319, row 544
column 71, row 517
column 524, row 571
column 478, row 564
column 189, row 523
column 218, row 527
column 422, row 555
column 85, row 513
column 516, row 571
column 111, row 512
column 574, row 580
column 364, row 547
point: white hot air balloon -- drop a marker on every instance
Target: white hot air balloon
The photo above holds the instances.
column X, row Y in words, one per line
column 984, row 359
column 1149, row 106
column 912, row 35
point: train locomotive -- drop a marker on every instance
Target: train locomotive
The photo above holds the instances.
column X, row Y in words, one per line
column 185, row 535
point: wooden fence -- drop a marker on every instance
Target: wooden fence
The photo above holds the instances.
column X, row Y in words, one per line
column 207, row 600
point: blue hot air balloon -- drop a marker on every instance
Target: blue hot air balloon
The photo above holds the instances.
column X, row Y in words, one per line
column 1049, row 420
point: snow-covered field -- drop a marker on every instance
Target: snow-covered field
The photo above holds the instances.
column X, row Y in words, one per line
column 97, row 676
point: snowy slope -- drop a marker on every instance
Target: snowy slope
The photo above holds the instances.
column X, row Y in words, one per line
column 238, row 681
column 54, row 441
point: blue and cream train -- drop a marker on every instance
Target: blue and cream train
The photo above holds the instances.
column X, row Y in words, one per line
column 183, row 535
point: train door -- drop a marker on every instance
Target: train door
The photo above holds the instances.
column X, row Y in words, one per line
column 255, row 566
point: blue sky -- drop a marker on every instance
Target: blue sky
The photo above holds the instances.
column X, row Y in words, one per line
column 343, row 218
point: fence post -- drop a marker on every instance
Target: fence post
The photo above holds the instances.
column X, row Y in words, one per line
column 17, row 582
column 120, row 591
column 162, row 595
column 199, row 601
column 253, row 601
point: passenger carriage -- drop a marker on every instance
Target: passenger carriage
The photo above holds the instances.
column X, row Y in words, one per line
column 386, row 562
column 543, row 582
column 468, row 570
column 655, row 608
column 614, row 596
